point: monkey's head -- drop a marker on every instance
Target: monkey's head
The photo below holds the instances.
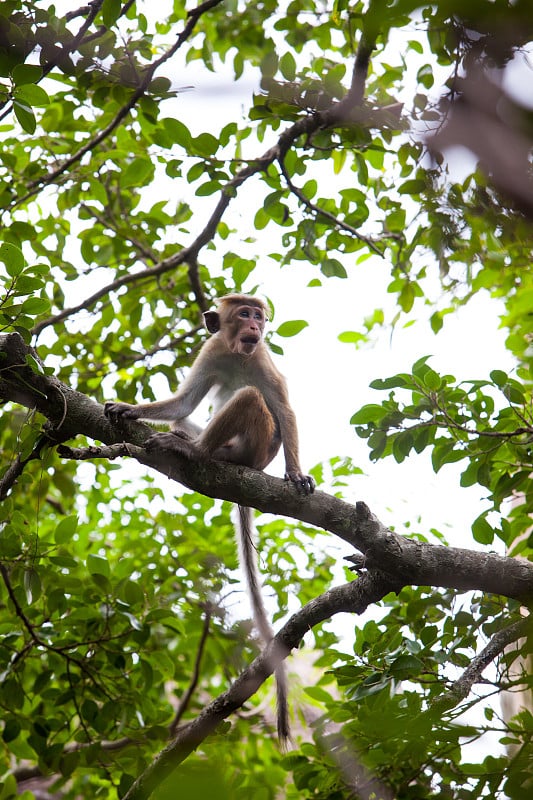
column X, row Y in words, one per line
column 240, row 321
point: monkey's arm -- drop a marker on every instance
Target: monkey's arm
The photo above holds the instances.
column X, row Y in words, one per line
column 277, row 399
column 191, row 392
column 289, row 437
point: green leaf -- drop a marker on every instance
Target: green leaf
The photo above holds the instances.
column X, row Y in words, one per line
column 292, row 327
column 432, row 380
column 32, row 586
column 66, row 529
column 482, row 531
column 12, row 728
column 414, row 186
column 318, row 693
column 394, row 382
column 332, row 268
column 269, row 64
column 369, row 413
column 12, row 257
column 34, row 306
column 178, row 132
column 137, row 172
column 133, row 593
column 110, row 11
column 26, row 73
column 25, row 116
column 287, row 66
column 208, row 188
column 499, row 377
column 31, row 95
column 420, row 367
column 34, row 365
column 352, row 337
column 406, row 666
column 98, row 565
column 205, row 145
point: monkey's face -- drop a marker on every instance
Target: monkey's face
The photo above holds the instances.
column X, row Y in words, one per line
column 245, row 329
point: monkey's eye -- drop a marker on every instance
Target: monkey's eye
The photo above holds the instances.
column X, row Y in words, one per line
column 244, row 313
column 258, row 316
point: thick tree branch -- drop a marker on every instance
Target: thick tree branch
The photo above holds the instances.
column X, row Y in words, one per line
column 391, row 561
column 354, row 597
column 405, row 560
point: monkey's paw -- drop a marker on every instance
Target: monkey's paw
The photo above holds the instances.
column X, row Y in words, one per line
column 305, row 484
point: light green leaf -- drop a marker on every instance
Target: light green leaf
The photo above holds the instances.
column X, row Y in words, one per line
column 292, row 327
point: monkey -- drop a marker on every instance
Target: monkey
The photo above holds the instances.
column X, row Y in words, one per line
column 251, row 419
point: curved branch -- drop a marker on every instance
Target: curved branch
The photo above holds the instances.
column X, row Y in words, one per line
column 406, row 560
column 321, row 212
column 16, row 469
column 91, row 11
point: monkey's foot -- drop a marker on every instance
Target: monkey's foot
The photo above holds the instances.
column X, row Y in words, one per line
column 169, row 443
column 305, row 484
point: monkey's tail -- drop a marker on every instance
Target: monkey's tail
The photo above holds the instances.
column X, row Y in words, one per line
column 248, row 555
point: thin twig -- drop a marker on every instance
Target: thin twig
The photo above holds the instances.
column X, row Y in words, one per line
column 37, row 184
column 193, row 683
column 339, row 223
column 472, row 674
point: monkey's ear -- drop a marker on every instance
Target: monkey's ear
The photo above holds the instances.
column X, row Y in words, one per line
column 212, row 321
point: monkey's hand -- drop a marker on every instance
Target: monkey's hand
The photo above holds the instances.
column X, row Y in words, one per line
column 305, row 484
column 117, row 411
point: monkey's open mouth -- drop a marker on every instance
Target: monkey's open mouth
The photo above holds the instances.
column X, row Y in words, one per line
column 250, row 339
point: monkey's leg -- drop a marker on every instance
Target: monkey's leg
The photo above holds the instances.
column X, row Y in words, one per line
column 243, row 431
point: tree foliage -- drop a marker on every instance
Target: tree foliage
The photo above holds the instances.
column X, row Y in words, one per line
column 127, row 669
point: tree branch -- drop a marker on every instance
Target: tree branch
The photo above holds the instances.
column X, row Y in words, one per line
column 405, row 560
column 53, row 175
column 472, row 674
column 390, row 561
column 353, row 597
column 321, row 212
